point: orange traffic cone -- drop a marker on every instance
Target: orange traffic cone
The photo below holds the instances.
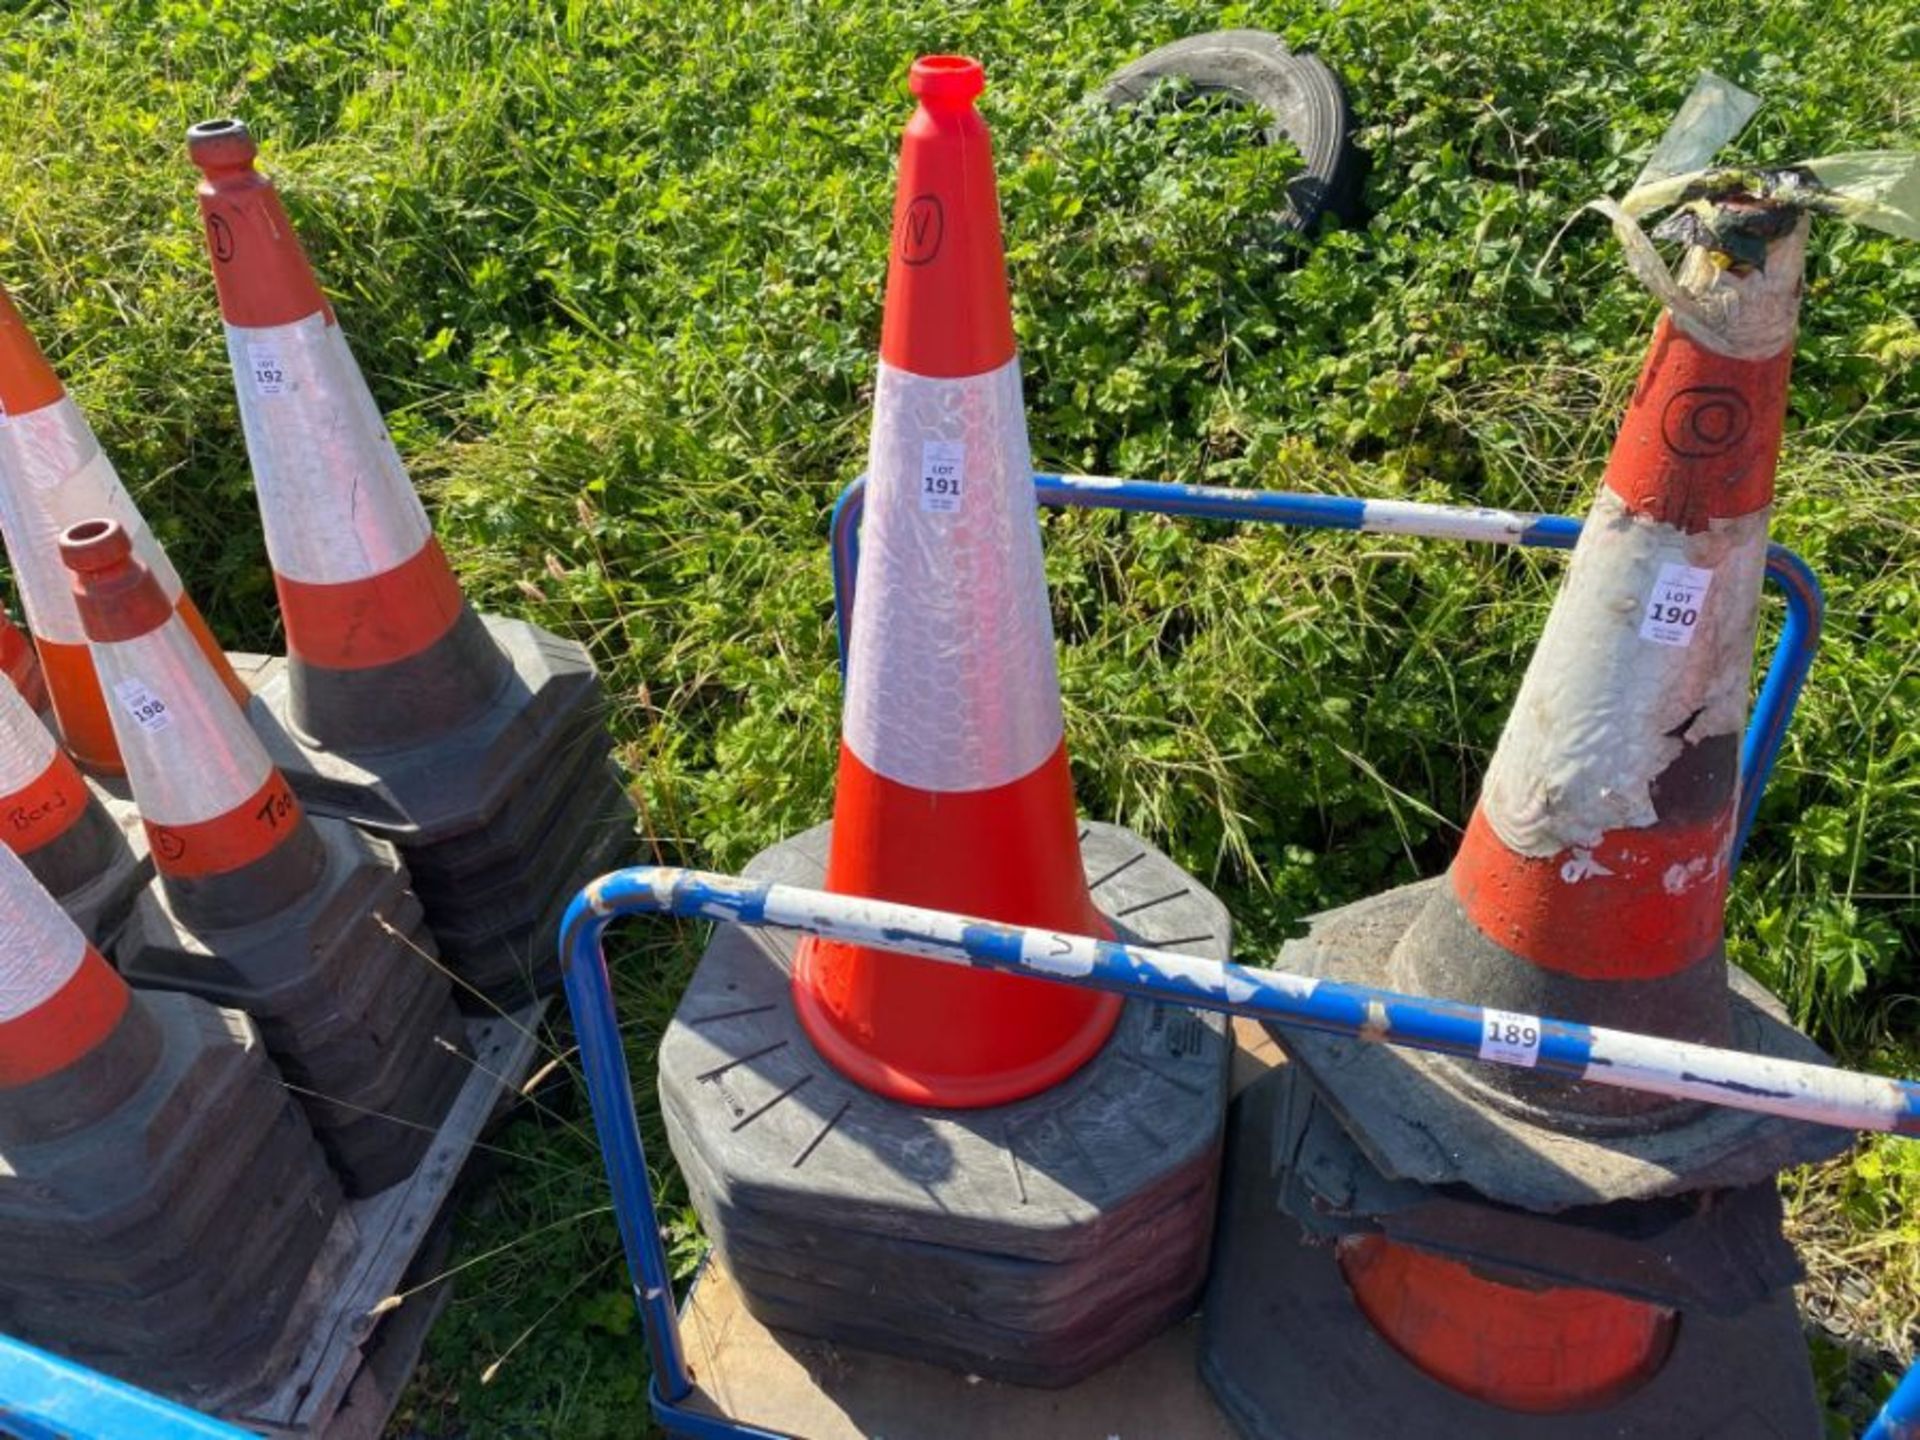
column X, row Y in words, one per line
column 1592, row 880
column 256, row 905
column 162, row 1199
column 20, row 665
column 1591, row 885
column 53, row 474
column 53, row 821
column 953, row 788
column 474, row 743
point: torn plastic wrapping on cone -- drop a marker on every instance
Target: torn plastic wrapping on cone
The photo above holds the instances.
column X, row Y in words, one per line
column 1738, row 218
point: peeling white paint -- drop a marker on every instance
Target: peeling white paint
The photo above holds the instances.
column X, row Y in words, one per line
column 1682, row 877
column 1601, row 712
column 1752, row 314
column 1582, row 866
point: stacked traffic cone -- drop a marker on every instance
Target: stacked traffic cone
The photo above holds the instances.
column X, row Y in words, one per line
column 51, row 818
column 818, row 1118
column 1536, row 1247
column 161, row 1197
column 474, row 743
column 306, row 924
column 53, row 474
column 21, row 666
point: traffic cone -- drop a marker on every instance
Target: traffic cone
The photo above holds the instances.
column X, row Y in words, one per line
column 20, row 665
column 256, row 905
column 1590, row 885
column 53, row 474
column 953, row 788
column 53, row 821
column 1043, row 1238
column 161, row 1199
column 472, row 742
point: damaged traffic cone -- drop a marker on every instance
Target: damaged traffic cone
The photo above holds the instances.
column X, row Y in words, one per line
column 306, row 924
column 20, row 665
column 474, row 743
column 1564, row 1261
column 53, row 821
column 1039, row 1240
column 161, row 1197
column 53, row 474
column 953, row 789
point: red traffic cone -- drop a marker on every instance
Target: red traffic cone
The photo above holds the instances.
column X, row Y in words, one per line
column 1592, row 880
column 953, row 788
column 258, row 906
column 52, row 820
column 20, row 665
column 474, row 743
column 364, row 586
column 53, row 474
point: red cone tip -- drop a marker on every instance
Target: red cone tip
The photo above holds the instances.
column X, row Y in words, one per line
column 258, row 266
column 117, row 596
column 221, row 145
column 948, row 79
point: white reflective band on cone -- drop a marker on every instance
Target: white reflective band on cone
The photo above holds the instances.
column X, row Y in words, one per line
column 26, row 745
column 1604, row 710
column 40, row 948
column 194, row 757
column 335, row 500
column 952, row 684
column 53, row 474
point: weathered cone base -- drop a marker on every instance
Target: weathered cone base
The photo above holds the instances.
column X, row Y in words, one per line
column 477, row 813
column 357, row 1015
column 1032, row 1242
column 1721, row 1251
column 102, row 898
column 1430, row 1119
column 1289, row 1355
column 166, row 1242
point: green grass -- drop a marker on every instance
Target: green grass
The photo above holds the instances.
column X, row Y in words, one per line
column 615, row 273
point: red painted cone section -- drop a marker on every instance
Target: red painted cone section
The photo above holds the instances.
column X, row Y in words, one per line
column 58, row 999
column 20, row 665
column 1541, row 1350
column 953, row 788
column 53, row 474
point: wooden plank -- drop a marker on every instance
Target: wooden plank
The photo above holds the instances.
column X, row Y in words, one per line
column 339, row 1326
column 819, row 1391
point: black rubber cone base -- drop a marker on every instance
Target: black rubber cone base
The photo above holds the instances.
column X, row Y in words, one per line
column 1289, row 1355
column 500, row 818
column 167, row 1240
column 1423, row 1118
column 1032, row 1242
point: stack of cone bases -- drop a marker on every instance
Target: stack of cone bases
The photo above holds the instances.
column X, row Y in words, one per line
column 161, row 1196
column 891, row 1153
column 1568, row 1267
column 476, row 744
column 52, row 819
column 53, row 474
column 304, row 923
column 20, row 665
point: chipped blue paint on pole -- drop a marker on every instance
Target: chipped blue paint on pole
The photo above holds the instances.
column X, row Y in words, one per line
column 1786, row 571
column 1792, row 1090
